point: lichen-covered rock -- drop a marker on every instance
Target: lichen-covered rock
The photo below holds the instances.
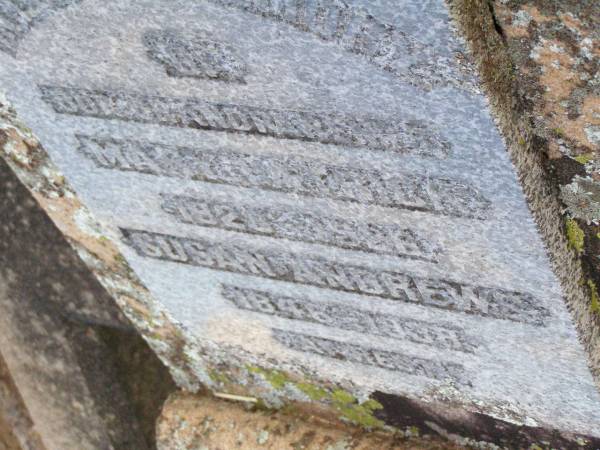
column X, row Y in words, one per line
column 192, row 422
column 554, row 48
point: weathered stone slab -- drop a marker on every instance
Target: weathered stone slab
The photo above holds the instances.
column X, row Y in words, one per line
column 314, row 195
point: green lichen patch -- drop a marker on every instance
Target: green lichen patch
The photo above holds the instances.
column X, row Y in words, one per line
column 360, row 414
column 313, row 392
column 413, row 432
column 218, row 377
column 595, row 299
column 344, row 402
column 584, row 159
column 340, row 396
column 276, row 378
column 575, row 235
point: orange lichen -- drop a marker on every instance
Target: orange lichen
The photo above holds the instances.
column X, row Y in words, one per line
column 590, row 115
column 537, row 15
column 572, row 22
column 557, row 74
column 62, row 211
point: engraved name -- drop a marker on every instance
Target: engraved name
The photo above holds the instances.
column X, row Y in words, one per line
column 194, row 56
column 18, row 17
column 385, row 359
column 282, row 222
column 289, row 174
column 350, row 318
column 327, row 128
column 357, row 31
column 316, row 271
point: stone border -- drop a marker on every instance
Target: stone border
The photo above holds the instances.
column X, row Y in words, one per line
column 476, row 21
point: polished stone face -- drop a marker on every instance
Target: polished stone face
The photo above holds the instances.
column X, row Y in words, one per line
column 317, row 183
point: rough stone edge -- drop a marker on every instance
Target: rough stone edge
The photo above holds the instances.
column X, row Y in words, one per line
column 475, row 21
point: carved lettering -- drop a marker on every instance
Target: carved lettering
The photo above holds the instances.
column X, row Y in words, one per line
column 194, row 56
column 283, row 222
column 321, row 272
column 385, row 359
column 290, row 174
column 328, row 128
column 350, row 318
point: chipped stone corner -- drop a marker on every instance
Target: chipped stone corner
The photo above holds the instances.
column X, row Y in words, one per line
column 538, row 63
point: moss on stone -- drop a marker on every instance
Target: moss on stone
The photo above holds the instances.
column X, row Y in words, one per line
column 218, row 377
column 584, row 159
column 360, row 414
column 344, row 402
column 595, row 299
column 413, row 432
column 313, row 392
column 276, row 378
column 341, row 397
column 575, row 235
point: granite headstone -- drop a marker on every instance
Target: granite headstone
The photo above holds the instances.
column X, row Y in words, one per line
column 315, row 185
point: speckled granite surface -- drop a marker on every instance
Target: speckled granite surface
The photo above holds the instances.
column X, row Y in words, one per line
column 310, row 205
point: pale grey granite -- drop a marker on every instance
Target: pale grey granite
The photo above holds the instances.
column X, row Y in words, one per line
column 320, row 186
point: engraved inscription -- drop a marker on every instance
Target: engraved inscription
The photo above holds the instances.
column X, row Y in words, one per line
column 17, row 17
column 357, row 31
column 194, row 56
column 281, row 222
column 321, row 272
column 350, row 318
column 385, row 359
column 289, row 174
column 328, row 128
